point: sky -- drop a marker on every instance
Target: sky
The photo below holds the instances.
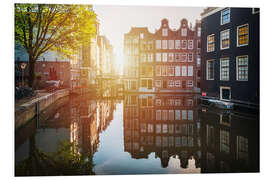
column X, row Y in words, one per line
column 117, row 20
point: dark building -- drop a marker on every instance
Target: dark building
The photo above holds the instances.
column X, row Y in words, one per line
column 165, row 61
column 230, row 54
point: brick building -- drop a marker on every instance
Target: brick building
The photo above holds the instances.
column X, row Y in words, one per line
column 165, row 61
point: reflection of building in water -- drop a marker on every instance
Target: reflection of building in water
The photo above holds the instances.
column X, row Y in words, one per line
column 230, row 142
column 105, row 111
column 164, row 124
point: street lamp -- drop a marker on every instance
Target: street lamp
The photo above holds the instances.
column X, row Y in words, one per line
column 23, row 66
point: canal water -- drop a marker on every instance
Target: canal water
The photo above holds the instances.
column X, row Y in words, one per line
column 139, row 134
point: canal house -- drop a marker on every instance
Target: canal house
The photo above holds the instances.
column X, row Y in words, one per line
column 165, row 61
column 230, row 54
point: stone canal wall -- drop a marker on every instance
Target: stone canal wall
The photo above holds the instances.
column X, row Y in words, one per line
column 28, row 110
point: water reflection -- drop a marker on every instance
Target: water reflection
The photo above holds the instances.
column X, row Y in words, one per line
column 142, row 134
column 164, row 124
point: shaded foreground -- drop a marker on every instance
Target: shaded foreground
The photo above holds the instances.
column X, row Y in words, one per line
column 142, row 134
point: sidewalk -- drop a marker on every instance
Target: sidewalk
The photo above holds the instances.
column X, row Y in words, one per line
column 27, row 108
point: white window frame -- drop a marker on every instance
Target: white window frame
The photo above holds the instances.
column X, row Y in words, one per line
column 156, row 83
column 184, row 70
column 164, row 44
column 190, row 46
column 182, row 45
column 220, row 92
column 190, row 83
column 178, row 42
column 191, row 57
column 171, row 44
column 221, row 16
column 207, row 43
column 238, row 36
column 158, row 44
column 178, row 70
column 220, row 72
column 177, row 83
column 171, row 55
column 222, row 48
column 184, row 32
column 164, row 57
column 141, row 36
column 207, row 69
column 190, row 71
column 237, row 68
column 158, row 57
column 199, row 31
column 158, row 67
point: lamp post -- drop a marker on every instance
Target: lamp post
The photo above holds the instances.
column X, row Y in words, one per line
column 23, row 66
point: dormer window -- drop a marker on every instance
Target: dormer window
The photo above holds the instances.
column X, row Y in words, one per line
column 164, row 32
column 184, row 32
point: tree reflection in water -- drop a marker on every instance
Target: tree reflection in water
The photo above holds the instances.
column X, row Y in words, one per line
column 64, row 161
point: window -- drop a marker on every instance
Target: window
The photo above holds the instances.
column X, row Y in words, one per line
column 158, row 44
column 141, row 35
column 171, row 114
column 198, row 59
column 184, row 70
column 190, row 70
column 158, row 71
column 242, row 148
column 171, row 44
column 177, row 57
column 224, row 69
column 177, row 44
column 164, row 70
column 165, row 115
column 183, row 57
column 165, row 32
column 211, row 43
column 225, row 39
column 143, row 57
column 224, row 141
column 242, row 68
column 242, row 35
column 158, row 115
column 189, row 83
column 150, row 128
column 184, row 44
column 210, row 70
column 158, row 102
column 150, row 45
column 177, row 114
column 199, row 32
column 164, row 57
column 225, row 16
column 150, row 57
column 190, row 44
column 184, row 114
column 177, row 70
column 171, row 57
column 171, row 83
column 177, row 101
column 144, row 83
column 171, row 71
column 190, row 57
column 184, row 32
column 158, row 57
column 199, row 44
column 177, row 83
column 158, row 83
column 190, row 114
column 164, row 44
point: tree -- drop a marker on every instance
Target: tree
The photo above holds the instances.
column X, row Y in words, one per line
column 52, row 27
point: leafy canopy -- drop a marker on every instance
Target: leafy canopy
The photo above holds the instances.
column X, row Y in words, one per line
column 55, row 27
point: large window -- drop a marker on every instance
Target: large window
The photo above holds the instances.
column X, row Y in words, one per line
column 171, row 44
column 224, row 141
column 171, row 59
column 184, row 44
column 190, row 44
column 225, row 39
column 164, row 70
column 177, row 70
column 242, row 35
column 158, row 57
column 183, row 57
column 225, row 16
column 224, row 69
column 177, row 44
column 158, row 44
column 210, row 70
column 190, row 57
column 164, row 44
column 211, row 43
column 171, row 70
column 164, row 57
column 177, row 57
column 242, row 68
column 184, row 32
column 190, row 70
column 184, row 71
column 158, row 71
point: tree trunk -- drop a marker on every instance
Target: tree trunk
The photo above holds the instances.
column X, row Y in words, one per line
column 31, row 76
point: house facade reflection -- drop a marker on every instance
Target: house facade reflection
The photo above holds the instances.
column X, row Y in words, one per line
column 230, row 141
column 164, row 124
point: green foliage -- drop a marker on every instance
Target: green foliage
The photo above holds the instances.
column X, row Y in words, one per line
column 65, row 161
column 61, row 28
